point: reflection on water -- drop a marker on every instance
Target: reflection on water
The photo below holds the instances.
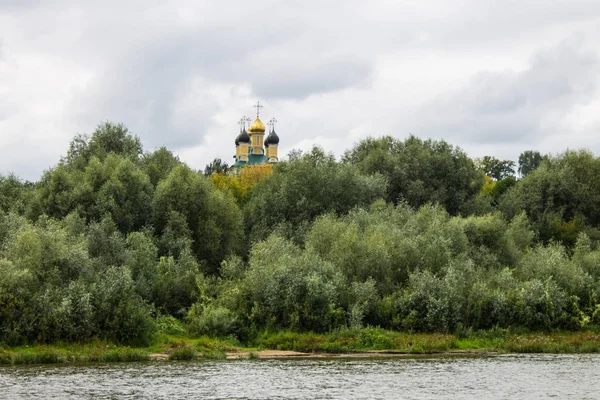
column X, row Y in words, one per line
column 506, row 377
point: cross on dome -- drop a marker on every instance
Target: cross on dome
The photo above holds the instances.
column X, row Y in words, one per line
column 242, row 123
column 272, row 123
column 252, row 146
column 258, row 106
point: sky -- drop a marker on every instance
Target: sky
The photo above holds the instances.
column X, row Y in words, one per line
column 493, row 77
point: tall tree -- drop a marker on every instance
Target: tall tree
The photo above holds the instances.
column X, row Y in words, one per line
column 562, row 190
column 300, row 190
column 495, row 168
column 159, row 164
column 240, row 185
column 12, row 191
column 212, row 217
column 529, row 160
column 106, row 139
column 216, row 166
column 114, row 186
column 419, row 172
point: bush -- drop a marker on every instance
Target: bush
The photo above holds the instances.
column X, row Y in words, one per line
column 374, row 338
column 184, row 353
column 121, row 315
column 169, row 325
column 286, row 286
column 216, row 321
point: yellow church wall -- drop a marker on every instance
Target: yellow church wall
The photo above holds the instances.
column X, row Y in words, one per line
column 257, row 141
column 272, row 150
column 243, row 152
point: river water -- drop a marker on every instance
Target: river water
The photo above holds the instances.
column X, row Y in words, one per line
column 502, row 377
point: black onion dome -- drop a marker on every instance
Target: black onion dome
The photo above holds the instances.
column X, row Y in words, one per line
column 272, row 138
column 244, row 137
column 237, row 139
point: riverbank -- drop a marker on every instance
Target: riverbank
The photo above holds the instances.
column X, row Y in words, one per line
column 369, row 342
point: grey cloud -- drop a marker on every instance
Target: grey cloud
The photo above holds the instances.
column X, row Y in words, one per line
column 19, row 4
column 144, row 85
column 164, row 68
column 303, row 78
column 491, row 24
column 509, row 106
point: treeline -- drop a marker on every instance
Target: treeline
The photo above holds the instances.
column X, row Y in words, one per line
column 117, row 243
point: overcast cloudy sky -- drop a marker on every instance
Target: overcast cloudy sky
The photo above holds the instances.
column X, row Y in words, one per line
column 494, row 77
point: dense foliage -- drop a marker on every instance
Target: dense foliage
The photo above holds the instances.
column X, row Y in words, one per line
column 115, row 243
column 419, row 172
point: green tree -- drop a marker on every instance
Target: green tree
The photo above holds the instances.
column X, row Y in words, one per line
column 100, row 175
column 14, row 193
column 561, row 190
column 300, row 190
column 287, row 287
column 419, row 172
column 114, row 186
column 105, row 243
column 106, row 139
column 497, row 169
column 216, row 166
column 175, row 288
column 212, row 217
column 158, row 164
column 120, row 313
column 529, row 160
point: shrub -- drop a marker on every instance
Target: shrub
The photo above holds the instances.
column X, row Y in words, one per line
column 184, row 353
column 212, row 320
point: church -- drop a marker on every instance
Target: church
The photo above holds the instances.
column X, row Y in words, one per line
column 251, row 146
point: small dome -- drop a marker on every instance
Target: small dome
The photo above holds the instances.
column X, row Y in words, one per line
column 272, row 138
column 256, row 127
column 243, row 137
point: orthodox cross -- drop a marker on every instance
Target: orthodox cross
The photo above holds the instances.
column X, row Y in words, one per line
column 248, row 120
column 258, row 106
column 242, row 123
column 272, row 123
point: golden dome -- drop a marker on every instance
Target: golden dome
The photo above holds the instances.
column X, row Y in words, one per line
column 256, row 127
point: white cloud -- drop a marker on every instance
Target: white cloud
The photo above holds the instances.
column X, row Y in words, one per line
column 494, row 78
column 515, row 109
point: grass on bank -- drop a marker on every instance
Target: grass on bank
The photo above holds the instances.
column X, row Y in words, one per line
column 375, row 339
column 177, row 347
column 71, row 353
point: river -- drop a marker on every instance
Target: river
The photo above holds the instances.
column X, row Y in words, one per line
column 501, row 377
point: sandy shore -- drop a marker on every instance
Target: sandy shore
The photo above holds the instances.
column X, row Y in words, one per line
column 274, row 354
column 279, row 354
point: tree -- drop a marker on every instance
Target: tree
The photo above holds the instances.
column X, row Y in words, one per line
column 287, row 287
column 13, row 193
column 213, row 218
column 100, row 175
column 298, row 191
column 216, row 166
column 529, row 161
column 497, row 169
column 419, row 172
column 562, row 189
column 114, row 186
column 240, row 185
column 106, row 139
column 158, row 164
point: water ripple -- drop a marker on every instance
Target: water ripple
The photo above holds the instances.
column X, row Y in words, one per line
column 508, row 377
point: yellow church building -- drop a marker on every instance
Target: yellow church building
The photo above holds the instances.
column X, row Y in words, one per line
column 251, row 146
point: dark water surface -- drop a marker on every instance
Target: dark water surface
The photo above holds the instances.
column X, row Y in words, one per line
column 505, row 377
